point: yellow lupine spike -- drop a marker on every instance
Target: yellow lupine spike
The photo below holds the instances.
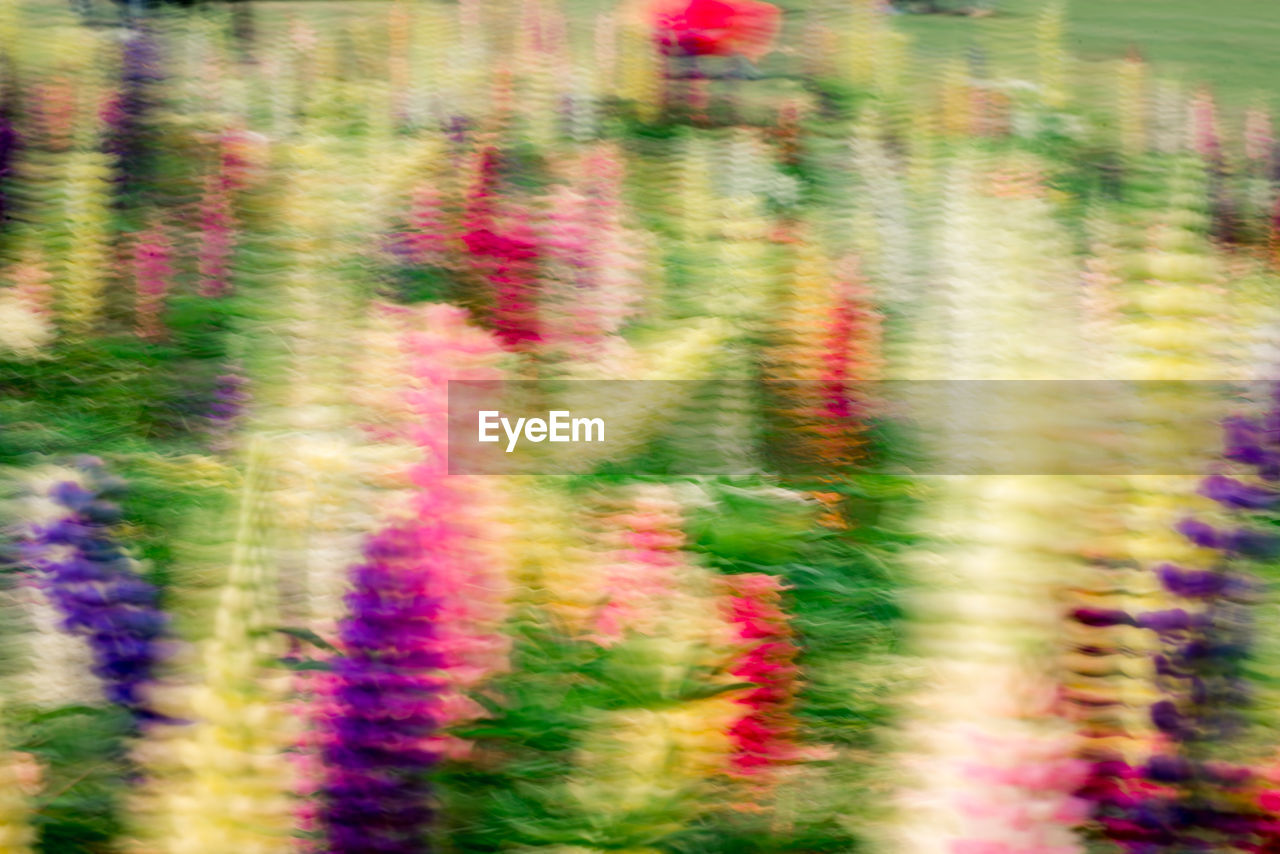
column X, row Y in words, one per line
column 11, row 25
column 434, row 45
column 1131, row 107
column 957, row 106
column 471, row 60
column 863, row 43
column 695, row 196
column 809, row 306
column 223, row 782
column 640, row 70
column 892, row 59
column 87, row 218
column 1051, row 55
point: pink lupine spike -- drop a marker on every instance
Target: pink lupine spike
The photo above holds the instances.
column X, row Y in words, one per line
column 591, row 259
column 430, row 235
column 315, row 704
column 1274, row 237
column 56, row 106
column 508, row 261
column 1259, row 137
column 242, row 156
column 33, row 285
column 399, row 37
column 606, row 46
column 482, row 197
column 504, row 252
column 555, row 31
column 472, row 600
column 217, row 229
column 642, row 570
column 765, row 737
column 153, row 279
column 1205, row 138
column 531, row 25
column 852, row 354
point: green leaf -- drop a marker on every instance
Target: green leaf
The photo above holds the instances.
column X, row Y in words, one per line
column 308, row 636
column 305, row 664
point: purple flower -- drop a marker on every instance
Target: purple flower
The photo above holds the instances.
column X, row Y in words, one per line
column 388, row 686
column 1232, row 493
column 96, row 589
column 1199, row 669
column 1243, row 442
column 1190, row 583
column 1166, row 717
column 1102, row 618
column 1202, row 534
column 1168, row 769
column 230, row 397
column 9, row 142
column 1171, row 620
column 127, row 136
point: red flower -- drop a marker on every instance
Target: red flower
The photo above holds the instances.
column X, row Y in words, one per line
column 715, row 27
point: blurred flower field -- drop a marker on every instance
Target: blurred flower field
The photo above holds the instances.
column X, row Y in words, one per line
column 248, row 607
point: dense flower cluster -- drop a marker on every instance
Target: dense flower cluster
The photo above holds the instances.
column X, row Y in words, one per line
column 387, row 657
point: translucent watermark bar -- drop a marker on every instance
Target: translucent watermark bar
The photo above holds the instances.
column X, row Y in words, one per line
column 798, row 427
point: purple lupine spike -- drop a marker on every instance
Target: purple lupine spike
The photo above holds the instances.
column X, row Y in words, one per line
column 1171, row 620
column 1202, row 534
column 387, row 691
column 1242, row 441
column 1235, row 494
column 457, row 129
column 1191, row 584
column 93, row 584
column 230, row 396
column 1197, row 805
column 1166, row 717
column 9, row 142
column 1168, row 769
column 127, row 131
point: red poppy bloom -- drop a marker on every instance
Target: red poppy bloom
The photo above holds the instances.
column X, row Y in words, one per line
column 716, row 27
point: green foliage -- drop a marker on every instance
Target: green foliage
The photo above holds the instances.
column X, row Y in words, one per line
column 86, row 772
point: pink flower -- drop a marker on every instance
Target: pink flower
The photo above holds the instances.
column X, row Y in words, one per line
column 152, row 275
column 716, row 27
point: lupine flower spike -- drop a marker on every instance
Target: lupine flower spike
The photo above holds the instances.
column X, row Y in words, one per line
column 217, row 233
column 153, row 279
column 96, row 586
column 220, row 779
column 765, row 738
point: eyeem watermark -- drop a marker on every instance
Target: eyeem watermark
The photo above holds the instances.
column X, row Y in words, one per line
column 559, row 426
column 804, row 428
